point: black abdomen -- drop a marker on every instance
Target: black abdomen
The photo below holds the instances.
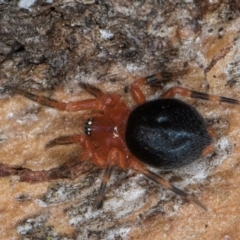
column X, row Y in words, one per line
column 166, row 133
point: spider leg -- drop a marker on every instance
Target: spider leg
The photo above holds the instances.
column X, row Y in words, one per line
column 63, row 140
column 208, row 150
column 104, row 98
column 154, row 80
column 136, row 92
column 87, row 148
column 115, row 158
column 71, row 169
column 159, row 78
column 93, row 90
column 103, row 187
column 199, row 95
column 166, row 184
column 139, row 167
column 6, row 170
column 88, row 104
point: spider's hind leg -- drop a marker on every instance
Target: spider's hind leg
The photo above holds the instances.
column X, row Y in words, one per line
column 198, row 95
column 140, row 168
column 167, row 185
column 161, row 78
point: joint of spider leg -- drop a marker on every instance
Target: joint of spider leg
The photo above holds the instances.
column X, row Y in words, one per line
column 87, row 126
column 151, row 79
column 159, row 78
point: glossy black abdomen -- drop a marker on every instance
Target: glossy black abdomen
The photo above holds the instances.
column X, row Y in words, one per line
column 166, row 133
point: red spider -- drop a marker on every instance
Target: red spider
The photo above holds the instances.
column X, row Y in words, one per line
column 164, row 133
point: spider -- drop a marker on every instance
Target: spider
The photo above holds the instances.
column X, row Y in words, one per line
column 165, row 133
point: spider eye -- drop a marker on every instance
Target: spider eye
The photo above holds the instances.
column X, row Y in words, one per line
column 87, row 126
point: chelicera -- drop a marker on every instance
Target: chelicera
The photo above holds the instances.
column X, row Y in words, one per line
column 165, row 133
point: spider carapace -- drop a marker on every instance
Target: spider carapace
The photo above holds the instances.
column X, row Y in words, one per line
column 165, row 133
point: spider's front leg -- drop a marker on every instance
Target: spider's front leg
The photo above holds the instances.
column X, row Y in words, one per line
column 97, row 103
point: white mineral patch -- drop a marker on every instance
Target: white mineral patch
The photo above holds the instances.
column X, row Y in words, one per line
column 26, row 3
